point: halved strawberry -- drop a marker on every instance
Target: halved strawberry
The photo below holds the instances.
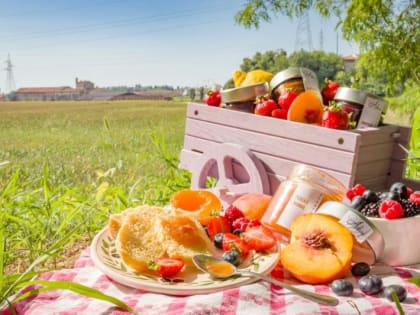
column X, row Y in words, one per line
column 218, row 224
column 167, row 267
column 259, row 238
column 234, row 242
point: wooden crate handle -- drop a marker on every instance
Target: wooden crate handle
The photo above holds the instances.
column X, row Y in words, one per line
column 230, row 162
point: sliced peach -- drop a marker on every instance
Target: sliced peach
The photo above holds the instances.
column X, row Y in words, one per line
column 306, row 108
column 320, row 249
column 253, row 205
column 203, row 203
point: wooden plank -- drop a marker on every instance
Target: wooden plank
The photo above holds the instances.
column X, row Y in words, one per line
column 375, row 152
column 373, row 169
column 383, row 134
column 344, row 140
column 290, row 149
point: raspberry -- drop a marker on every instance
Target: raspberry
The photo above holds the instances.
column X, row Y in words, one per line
column 391, row 209
column 356, row 190
column 232, row 213
column 415, row 197
column 240, row 223
column 253, row 222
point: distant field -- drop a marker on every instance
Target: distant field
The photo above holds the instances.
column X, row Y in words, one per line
column 79, row 140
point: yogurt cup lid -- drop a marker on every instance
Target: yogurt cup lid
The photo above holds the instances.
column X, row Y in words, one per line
column 370, row 242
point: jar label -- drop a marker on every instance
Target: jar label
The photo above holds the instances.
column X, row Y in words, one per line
column 357, row 226
column 304, row 199
column 371, row 113
column 310, row 81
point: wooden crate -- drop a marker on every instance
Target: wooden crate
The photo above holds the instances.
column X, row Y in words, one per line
column 371, row 156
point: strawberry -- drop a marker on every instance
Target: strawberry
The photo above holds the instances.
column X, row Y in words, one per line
column 356, row 190
column 259, row 238
column 415, row 197
column 167, row 267
column 234, row 242
column 329, row 90
column 334, row 117
column 217, row 224
column 391, row 209
column 279, row 113
column 264, row 106
column 286, row 99
column 243, row 223
column 232, row 213
column 213, row 98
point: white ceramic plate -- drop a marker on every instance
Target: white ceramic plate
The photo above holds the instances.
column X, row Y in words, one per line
column 104, row 255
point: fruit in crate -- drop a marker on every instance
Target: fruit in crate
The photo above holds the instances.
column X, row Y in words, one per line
column 213, row 98
column 335, row 118
column 253, row 205
column 329, row 90
column 317, row 241
column 265, row 106
column 306, row 108
column 398, row 202
column 242, row 78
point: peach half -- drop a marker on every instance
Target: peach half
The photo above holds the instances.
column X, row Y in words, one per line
column 320, row 249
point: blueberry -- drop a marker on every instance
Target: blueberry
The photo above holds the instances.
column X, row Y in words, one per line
column 360, row 269
column 399, row 289
column 370, row 196
column 370, row 284
column 358, row 203
column 237, row 231
column 342, row 287
column 232, row 256
column 218, row 240
column 400, row 189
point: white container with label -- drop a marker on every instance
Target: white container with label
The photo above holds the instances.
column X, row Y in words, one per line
column 370, row 243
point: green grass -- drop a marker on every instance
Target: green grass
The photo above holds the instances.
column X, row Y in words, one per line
column 66, row 166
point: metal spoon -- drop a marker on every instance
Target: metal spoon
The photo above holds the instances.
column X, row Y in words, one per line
column 221, row 269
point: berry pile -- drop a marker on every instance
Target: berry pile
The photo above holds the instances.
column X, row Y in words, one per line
column 399, row 202
column 237, row 235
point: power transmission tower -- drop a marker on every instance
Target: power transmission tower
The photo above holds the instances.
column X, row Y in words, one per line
column 303, row 38
column 321, row 40
column 10, row 81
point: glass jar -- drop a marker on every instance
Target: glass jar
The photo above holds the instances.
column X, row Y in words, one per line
column 302, row 192
column 293, row 79
column 351, row 101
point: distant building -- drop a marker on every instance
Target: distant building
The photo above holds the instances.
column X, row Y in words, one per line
column 60, row 93
column 349, row 62
column 147, row 95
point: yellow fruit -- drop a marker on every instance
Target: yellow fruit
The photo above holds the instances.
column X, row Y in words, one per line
column 241, row 78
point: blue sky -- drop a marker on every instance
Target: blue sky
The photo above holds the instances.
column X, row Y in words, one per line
column 128, row 42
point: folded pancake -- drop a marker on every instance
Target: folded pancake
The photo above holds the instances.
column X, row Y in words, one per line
column 146, row 233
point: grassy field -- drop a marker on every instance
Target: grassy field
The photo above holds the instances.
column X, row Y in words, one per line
column 65, row 166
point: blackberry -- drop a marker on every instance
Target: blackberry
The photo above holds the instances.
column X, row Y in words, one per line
column 371, row 209
column 411, row 209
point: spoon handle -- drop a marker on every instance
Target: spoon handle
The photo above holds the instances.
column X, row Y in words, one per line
column 319, row 298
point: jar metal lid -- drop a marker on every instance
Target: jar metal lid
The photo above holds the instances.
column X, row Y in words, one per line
column 321, row 179
column 350, row 95
column 371, row 244
column 287, row 74
column 245, row 93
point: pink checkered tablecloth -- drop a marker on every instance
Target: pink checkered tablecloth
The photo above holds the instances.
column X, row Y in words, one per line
column 256, row 298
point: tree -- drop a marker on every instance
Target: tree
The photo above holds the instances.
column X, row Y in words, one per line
column 325, row 65
column 192, row 94
column 271, row 61
column 387, row 32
